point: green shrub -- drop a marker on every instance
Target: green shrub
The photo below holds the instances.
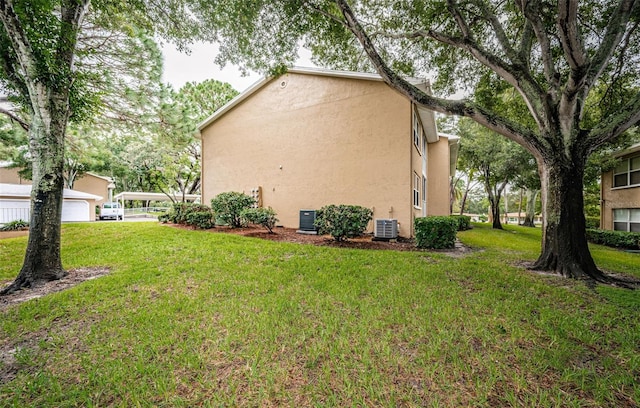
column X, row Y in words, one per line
column 592, row 222
column 179, row 213
column 229, row 206
column 436, row 232
column 201, row 219
column 464, row 222
column 342, row 221
column 261, row 216
column 615, row 239
column 16, row 225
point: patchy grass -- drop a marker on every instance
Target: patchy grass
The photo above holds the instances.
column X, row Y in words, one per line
column 190, row 318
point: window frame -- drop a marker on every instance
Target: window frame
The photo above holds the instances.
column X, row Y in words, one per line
column 417, row 132
column 416, row 191
column 627, row 173
column 626, row 219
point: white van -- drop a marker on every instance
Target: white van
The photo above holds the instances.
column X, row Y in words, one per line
column 111, row 211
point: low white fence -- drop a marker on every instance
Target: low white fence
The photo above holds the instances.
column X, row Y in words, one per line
column 144, row 212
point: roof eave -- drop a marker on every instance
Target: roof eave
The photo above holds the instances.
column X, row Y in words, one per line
column 422, row 83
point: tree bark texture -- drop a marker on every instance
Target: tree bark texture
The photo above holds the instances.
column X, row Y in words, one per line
column 564, row 241
column 50, row 110
column 42, row 262
column 530, row 211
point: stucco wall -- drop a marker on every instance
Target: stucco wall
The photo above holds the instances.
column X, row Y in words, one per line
column 310, row 141
column 438, row 178
column 10, row 176
column 91, row 184
column 619, row 198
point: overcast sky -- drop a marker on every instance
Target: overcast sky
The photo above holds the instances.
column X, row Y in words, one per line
column 180, row 68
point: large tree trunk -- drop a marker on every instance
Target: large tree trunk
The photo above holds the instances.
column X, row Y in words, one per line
column 530, row 211
column 564, row 241
column 42, row 262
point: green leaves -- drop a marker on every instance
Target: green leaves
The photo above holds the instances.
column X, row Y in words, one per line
column 343, row 221
column 230, row 205
column 435, row 232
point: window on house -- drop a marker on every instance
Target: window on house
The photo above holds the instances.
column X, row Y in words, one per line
column 416, row 131
column 416, row 190
column 627, row 173
column 626, row 219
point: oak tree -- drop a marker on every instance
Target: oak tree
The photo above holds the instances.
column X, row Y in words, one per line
column 554, row 56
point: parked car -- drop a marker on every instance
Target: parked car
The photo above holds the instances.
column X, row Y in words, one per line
column 111, row 211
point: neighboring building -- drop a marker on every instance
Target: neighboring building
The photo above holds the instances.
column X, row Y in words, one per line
column 15, row 195
column 620, row 193
column 10, row 175
column 97, row 185
column 87, row 183
column 518, row 218
column 314, row 137
column 15, row 204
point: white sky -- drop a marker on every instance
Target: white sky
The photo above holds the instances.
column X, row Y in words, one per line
column 180, row 68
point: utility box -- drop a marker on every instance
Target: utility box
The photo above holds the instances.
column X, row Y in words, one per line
column 307, row 218
column 386, row 229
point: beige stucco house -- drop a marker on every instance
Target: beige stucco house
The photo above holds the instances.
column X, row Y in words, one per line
column 90, row 190
column 314, row 137
column 620, row 193
column 90, row 183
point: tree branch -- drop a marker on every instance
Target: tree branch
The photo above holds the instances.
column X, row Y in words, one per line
column 510, row 52
column 569, row 35
column 531, row 11
column 614, row 125
column 15, row 118
column 612, row 38
column 20, row 43
column 499, row 125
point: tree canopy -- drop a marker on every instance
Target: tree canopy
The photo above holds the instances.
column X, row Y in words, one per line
column 57, row 60
column 573, row 65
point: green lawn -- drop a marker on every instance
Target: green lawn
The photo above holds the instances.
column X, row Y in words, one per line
column 190, row 318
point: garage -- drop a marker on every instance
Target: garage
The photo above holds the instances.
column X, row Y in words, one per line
column 15, row 202
column 75, row 210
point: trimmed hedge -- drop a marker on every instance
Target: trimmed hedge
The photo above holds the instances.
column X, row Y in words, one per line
column 615, row 239
column 436, row 232
column 464, row 222
column 343, row 221
column 229, row 206
column 261, row 216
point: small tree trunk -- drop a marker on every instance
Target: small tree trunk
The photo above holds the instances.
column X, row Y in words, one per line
column 564, row 241
column 42, row 262
column 530, row 211
column 494, row 203
column 520, row 205
column 506, row 206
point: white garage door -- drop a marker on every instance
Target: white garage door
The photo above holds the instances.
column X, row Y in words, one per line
column 75, row 210
column 13, row 210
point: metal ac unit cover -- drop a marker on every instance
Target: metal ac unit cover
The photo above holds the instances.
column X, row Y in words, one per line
column 386, row 228
column 307, row 218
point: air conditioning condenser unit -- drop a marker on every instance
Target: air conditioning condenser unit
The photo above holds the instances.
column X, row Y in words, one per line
column 386, row 229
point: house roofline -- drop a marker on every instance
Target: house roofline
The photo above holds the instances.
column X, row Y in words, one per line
column 106, row 178
column 631, row 149
column 423, row 83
